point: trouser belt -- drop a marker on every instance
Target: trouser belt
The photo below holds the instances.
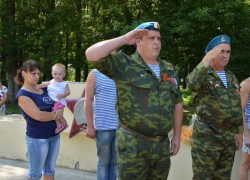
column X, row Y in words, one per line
column 136, row 134
column 220, row 126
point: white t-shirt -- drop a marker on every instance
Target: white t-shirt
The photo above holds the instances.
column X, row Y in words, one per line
column 56, row 88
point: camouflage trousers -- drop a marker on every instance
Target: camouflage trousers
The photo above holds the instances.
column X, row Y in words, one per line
column 140, row 159
column 212, row 153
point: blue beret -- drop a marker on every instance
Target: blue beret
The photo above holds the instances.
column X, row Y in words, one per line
column 217, row 40
column 149, row 25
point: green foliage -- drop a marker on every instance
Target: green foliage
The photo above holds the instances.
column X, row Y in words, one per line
column 61, row 30
column 187, row 98
column 187, row 116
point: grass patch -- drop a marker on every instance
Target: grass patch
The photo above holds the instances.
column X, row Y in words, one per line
column 187, row 98
column 12, row 108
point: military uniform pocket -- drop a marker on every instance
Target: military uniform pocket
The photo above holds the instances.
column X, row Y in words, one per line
column 140, row 91
column 121, row 144
column 126, row 145
column 140, row 83
column 201, row 130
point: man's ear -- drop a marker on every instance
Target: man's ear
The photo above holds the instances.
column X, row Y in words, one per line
column 138, row 43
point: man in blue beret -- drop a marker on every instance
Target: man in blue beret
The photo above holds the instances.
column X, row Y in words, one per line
column 218, row 131
column 148, row 104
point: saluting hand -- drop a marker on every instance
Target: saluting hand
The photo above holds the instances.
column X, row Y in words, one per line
column 134, row 36
column 212, row 54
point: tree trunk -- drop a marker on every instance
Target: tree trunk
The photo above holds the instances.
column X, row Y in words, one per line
column 12, row 53
column 78, row 47
column 49, row 47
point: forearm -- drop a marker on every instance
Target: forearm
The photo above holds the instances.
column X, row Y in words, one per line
column 245, row 126
column 31, row 109
column 88, row 109
column 104, row 48
column 44, row 85
column 44, row 116
column 63, row 95
column 196, row 78
column 178, row 116
column 3, row 101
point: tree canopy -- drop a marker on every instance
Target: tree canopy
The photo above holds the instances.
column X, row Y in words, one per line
column 52, row 31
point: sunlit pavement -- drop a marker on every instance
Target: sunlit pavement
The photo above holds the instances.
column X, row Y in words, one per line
column 16, row 170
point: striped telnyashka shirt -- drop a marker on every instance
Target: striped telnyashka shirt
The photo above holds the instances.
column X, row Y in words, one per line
column 155, row 69
column 105, row 97
column 222, row 75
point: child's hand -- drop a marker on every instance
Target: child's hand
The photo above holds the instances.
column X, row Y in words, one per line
column 59, row 96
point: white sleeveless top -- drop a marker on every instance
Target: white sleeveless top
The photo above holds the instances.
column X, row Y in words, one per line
column 55, row 88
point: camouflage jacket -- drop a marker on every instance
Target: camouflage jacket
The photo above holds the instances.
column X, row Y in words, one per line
column 213, row 101
column 144, row 103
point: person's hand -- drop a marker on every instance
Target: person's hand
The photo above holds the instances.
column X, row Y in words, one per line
column 59, row 96
column 91, row 132
column 58, row 114
column 134, row 36
column 175, row 145
column 238, row 141
column 247, row 139
column 212, row 54
column 63, row 121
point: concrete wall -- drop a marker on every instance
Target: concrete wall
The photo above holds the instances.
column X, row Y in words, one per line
column 79, row 152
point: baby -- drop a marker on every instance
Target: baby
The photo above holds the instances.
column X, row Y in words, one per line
column 58, row 90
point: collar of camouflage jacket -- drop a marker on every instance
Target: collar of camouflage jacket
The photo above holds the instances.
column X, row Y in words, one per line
column 163, row 65
column 229, row 74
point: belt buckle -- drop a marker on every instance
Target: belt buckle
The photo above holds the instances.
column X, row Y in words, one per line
column 157, row 139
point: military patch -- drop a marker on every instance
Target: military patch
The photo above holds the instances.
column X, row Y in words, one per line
column 142, row 77
column 237, row 87
column 157, row 26
column 173, row 80
column 223, row 39
column 216, row 86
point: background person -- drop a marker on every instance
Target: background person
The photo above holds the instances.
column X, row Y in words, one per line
column 102, row 127
column 3, row 98
column 245, row 102
column 217, row 133
column 36, row 106
column 148, row 102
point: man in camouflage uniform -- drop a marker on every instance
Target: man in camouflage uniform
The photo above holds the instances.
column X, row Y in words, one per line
column 218, row 106
column 148, row 102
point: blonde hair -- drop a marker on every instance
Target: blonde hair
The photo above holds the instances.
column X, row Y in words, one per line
column 59, row 65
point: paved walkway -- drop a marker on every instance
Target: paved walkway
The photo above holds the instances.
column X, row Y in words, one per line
column 16, row 170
